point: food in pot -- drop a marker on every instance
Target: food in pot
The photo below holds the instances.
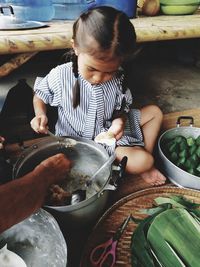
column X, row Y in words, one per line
column 184, row 153
column 57, row 196
column 9, row 258
column 64, row 193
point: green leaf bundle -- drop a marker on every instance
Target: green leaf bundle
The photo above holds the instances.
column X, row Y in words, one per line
column 169, row 236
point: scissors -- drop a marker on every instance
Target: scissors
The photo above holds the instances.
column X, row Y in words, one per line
column 104, row 255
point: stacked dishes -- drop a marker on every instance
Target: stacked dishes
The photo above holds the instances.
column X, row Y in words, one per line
column 179, row 7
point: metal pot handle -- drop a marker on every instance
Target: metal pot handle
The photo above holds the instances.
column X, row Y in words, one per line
column 2, row 7
column 121, row 171
column 178, row 122
column 118, row 178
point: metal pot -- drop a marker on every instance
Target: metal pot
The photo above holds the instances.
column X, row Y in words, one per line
column 175, row 174
column 87, row 157
column 11, row 22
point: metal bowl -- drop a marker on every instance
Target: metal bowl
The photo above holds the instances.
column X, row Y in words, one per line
column 175, row 174
column 38, row 240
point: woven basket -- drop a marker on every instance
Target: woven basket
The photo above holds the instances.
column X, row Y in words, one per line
column 114, row 216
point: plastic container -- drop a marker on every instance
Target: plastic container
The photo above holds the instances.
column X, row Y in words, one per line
column 127, row 6
column 69, row 9
column 37, row 10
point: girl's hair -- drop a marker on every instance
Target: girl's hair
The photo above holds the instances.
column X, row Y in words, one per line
column 113, row 33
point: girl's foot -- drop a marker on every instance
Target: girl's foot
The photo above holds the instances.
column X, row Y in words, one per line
column 153, row 177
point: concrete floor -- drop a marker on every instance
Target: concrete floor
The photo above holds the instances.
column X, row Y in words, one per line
column 164, row 73
column 167, row 74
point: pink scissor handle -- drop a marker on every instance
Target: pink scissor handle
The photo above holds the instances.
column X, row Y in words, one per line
column 101, row 253
column 112, row 253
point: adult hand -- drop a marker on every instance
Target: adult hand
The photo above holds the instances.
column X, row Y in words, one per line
column 55, row 168
column 39, row 124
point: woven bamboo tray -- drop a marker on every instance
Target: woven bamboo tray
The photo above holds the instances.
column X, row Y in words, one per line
column 114, row 216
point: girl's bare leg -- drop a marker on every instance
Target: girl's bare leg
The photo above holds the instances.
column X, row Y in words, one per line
column 151, row 120
column 140, row 159
column 140, row 162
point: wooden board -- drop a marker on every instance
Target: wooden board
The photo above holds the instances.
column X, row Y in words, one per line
column 58, row 34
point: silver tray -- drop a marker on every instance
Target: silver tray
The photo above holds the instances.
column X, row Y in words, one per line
column 24, row 25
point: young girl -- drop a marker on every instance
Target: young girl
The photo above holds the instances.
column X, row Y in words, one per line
column 91, row 95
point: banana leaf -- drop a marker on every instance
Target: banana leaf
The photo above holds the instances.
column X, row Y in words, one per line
column 174, row 236
column 150, row 247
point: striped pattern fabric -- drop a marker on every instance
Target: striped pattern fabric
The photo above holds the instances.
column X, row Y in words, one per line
column 97, row 103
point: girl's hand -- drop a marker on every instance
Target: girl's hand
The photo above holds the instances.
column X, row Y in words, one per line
column 117, row 128
column 39, row 124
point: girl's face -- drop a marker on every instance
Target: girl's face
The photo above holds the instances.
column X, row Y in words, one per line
column 95, row 70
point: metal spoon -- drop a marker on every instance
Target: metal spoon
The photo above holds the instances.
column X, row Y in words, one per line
column 92, row 179
column 52, row 134
column 80, row 194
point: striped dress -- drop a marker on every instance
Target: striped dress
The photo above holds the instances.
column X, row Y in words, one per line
column 97, row 104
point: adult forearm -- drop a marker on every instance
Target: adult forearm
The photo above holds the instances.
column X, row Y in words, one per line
column 21, row 197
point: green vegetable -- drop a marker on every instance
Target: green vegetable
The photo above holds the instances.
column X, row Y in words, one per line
column 173, row 147
column 183, row 145
column 198, row 168
column 183, row 154
column 179, row 139
column 180, row 162
column 190, row 141
column 174, row 157
column 192, row 149
column 198, row 141
column 191, row 171
column 191, row 163
column 198, row 151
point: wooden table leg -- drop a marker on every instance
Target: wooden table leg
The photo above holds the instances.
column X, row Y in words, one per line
column 15, row 62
